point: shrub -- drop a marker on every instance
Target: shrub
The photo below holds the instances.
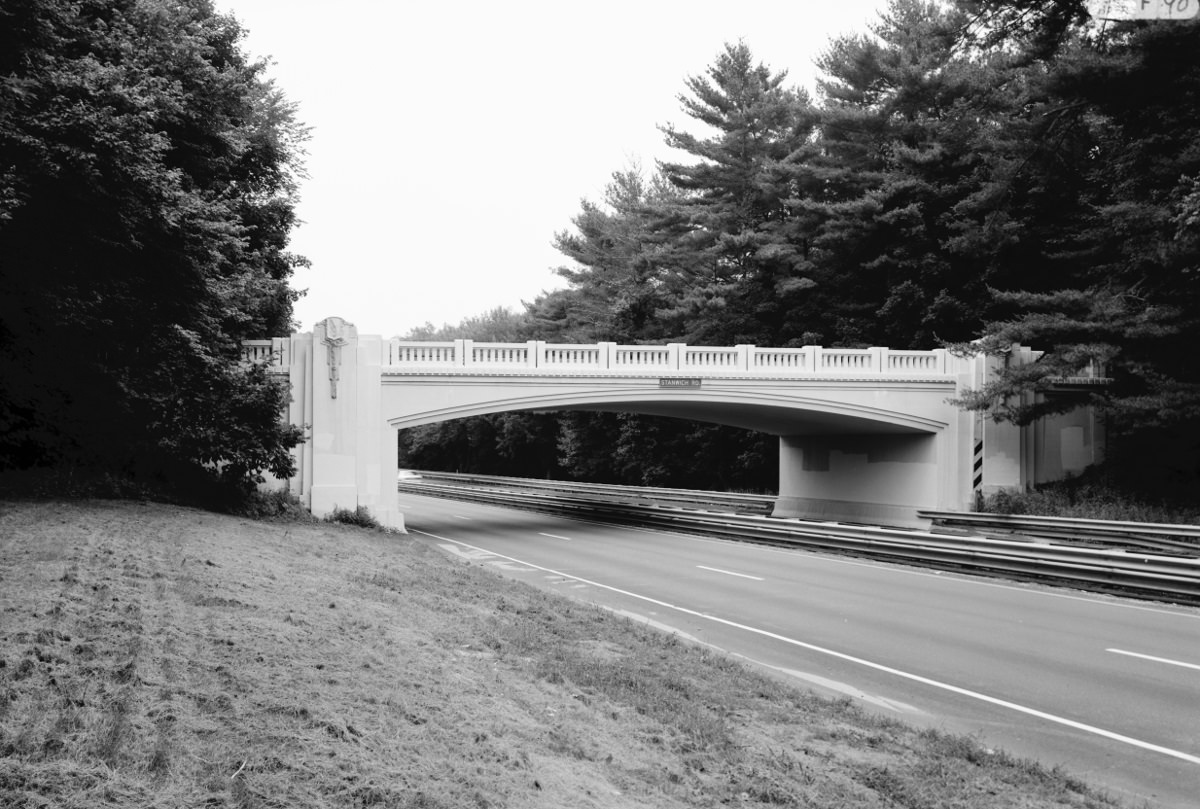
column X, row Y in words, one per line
column 274, row 504
column 1095, row 499
column 360, row 516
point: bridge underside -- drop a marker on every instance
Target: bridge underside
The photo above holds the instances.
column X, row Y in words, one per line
column 841, row 455
column 770, row 420
column 833, row 466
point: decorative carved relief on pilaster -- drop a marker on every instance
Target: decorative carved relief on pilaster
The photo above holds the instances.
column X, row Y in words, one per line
column 337, row 335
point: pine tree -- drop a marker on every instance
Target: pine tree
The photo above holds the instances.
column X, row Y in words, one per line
column 737, row 267
column 616, row 282
column 1104, row 269
column 908, row 127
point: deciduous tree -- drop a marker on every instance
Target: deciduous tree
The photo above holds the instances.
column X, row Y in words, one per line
column 148, row 173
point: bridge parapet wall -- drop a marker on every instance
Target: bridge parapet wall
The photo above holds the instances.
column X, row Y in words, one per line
column 543, row 357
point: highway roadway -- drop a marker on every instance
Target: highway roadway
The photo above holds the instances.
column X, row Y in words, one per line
column 1106, row 687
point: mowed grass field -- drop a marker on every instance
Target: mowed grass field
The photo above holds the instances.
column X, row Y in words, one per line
column 158, row 656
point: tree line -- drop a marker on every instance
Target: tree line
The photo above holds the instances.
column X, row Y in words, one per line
column 970, row 174
column 148, row 176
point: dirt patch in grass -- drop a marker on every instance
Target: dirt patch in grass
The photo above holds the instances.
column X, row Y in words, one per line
column 161, row 656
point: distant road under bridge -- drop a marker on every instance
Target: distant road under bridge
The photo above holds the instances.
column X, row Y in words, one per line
column 866, row 435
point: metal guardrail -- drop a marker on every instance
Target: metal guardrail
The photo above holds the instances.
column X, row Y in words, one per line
column 1133, row 573
column 735, row 502
column 1164, row 538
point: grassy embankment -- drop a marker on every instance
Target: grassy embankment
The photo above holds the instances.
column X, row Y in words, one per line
column 161, row 656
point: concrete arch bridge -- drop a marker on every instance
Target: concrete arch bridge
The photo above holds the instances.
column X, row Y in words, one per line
column 866, row 435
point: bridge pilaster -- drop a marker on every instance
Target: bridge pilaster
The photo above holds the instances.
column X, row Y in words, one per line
column 1015, row 458
column 352, row 450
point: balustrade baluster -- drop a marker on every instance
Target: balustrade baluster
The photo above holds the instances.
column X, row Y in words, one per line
column 647, row 359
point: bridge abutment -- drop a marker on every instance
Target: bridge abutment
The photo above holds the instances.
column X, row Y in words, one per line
column 866, row 478
column 1055, row 447
column 349, row 459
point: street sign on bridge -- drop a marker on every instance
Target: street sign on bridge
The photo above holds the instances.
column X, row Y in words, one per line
column 1144, row 9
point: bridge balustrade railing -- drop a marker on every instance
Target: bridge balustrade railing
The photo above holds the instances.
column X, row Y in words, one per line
column 670, row 358
column 411, row 353
column 572, row 356
column 273, row 352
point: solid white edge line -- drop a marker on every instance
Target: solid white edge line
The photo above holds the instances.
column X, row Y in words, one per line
column 730, row 573
column 954, row 689
column 1166, row 660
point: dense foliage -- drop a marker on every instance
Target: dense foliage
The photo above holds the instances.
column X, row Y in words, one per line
column 148, row 172
column 996, row 171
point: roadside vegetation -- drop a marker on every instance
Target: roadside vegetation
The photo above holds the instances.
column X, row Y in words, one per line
column 1095, row 496
column 1086, row 503
column 155, row 655
column 175, row 163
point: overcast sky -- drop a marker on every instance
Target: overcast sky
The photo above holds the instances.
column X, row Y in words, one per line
column 452, row 140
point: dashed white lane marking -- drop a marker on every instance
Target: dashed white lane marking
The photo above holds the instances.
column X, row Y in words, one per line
column 461, row 517
column 730, row 573
column 1166, row 660
column 554, row 536
column 917, row 678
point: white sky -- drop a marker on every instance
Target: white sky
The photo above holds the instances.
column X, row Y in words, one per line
column 452, row 140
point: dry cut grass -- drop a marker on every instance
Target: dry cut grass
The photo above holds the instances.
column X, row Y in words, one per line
column 153, row 656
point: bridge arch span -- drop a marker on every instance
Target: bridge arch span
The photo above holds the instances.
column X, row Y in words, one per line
column 777, row 413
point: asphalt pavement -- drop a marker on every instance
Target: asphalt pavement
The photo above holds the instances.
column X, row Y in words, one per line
column 1108, row 688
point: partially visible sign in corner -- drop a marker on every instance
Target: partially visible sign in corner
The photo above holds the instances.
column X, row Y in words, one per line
column 1143, row 9
column 678, row 382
